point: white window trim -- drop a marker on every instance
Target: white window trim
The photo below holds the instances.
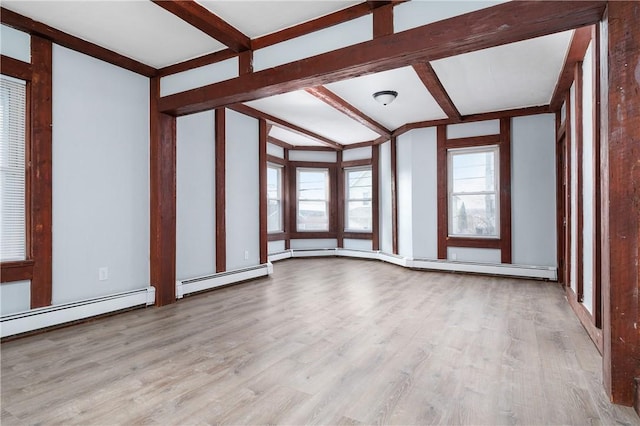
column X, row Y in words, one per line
column 450, row 194
column 327, row 201
column 347, row 199
column 280, row 169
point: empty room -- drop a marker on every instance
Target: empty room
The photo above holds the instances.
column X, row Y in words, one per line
column 320, row 212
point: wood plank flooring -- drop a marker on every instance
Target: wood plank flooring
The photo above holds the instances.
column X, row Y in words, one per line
column 321, row 341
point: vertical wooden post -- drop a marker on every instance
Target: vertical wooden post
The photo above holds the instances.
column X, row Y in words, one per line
column 505, row 190
column 383, row 21
column 262, row 159
column 40, row 196
column 578, row 140
column 221, row 201
column 163, row 199
column 620, row 165
column 394, row 194
column 339, row 203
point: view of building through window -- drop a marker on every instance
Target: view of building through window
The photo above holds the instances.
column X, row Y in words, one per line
column 473, row 192
column 358, row 199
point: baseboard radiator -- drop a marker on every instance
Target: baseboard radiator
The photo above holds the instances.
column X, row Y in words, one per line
column 523, row 271
column 23, row 322
column 194, row 285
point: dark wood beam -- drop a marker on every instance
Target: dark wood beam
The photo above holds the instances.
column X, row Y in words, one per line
column 620, row 203
column 393, row 157
column 200, row 61
column 22, row 23
column 375, row 198
column 203, row 19
column 335, row 101
column 280, row 143
column 382, row 20
column 494, row 26
column 39, row 172
column 220, row 195
column 433, row 84
column 578, row 47
column 505, row 191
column 162, row 172
column 15, row 68
column 262, row 169
column 244, row 109
column 518, row 112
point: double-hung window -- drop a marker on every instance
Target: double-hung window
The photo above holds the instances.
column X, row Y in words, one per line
column 274, row 199
column 12, row 169
column 313, row 199
column 358, row 192
column 474, row 192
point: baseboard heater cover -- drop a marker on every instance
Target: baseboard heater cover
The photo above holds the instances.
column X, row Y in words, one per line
column 35, row 319
column 194, row 285
column 524, row 271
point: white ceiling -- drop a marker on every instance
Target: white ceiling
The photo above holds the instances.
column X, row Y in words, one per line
column 292, row 138
column 139, row 30
column 258, row 18
column 505, row 77
column 413, row 103
column 511, row 76
column 305, row 110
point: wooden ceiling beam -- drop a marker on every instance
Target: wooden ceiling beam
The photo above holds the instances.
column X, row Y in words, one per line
column 245, row 109
column 335, row 101
column 433, row 84
column 494, row 26
column 28, row 25
column 509, row 113
column 203, row 19
column 577, row 49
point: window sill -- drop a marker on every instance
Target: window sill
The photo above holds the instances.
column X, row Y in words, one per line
column 19, row 270
column 474, row 242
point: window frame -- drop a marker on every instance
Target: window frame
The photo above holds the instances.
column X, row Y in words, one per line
column 328, row 198
column 280, row 199
column 347, row 198
column 451, row 152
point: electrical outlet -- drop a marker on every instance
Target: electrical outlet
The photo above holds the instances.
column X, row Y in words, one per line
column 103, row 273
column 246, row 255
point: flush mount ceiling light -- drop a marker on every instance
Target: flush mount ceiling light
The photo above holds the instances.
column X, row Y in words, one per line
column 385, row 97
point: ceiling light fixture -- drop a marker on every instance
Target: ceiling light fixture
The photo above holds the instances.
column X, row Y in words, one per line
column 385, row 97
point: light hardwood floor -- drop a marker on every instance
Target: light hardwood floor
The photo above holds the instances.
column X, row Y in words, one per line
column 322, row 341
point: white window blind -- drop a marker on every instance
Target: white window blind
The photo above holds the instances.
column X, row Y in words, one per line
column 12, row 169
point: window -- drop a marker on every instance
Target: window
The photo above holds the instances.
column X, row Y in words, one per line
column 274, row 199
column 313, row 199
column 358, row 199
column 12, row 169
column 474, row 192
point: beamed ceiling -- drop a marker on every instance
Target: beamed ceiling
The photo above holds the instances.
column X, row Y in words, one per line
column 435, row 83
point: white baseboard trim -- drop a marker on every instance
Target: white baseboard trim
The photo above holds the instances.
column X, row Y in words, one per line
column 523, row 271
column 194, row 285
column 49, row 316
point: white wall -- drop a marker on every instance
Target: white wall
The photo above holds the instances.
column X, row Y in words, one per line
column 242, row 191
column 404, row 193
column 417, row 13
column 425, row 193
column 15, row 44
column 318, row 42
column 321, row 156
column 357, row 153
column 385, row 231
column 100, row 177
column 533, row 191
column 197, row 77
column 195, row 196
column 15, row 297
